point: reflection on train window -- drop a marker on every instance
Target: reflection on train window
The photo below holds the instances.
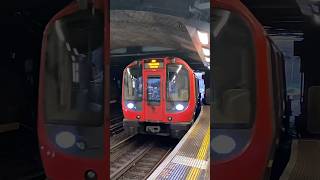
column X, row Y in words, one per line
column 177, row 83
column 233, row 71
column 133, row 83
column 153, row 90
column 74, row 70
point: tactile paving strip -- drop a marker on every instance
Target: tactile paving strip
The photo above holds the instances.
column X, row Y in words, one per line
column 190, row 158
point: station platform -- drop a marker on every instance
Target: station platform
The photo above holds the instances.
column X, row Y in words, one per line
column 190, row 159
column 9, row 127
column 304, row 161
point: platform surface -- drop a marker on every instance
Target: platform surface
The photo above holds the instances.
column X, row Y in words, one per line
column 190, row 159
column 304, row 163
column 9, row 127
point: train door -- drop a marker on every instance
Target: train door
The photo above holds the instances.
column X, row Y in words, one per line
column 71, row 112
column 154, row 97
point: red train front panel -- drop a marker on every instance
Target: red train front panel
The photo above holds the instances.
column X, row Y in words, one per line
column 159, row 96
column 71, row 125
column 242, row 117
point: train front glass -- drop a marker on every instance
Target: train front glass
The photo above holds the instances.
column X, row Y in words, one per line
column 73, row 129
column 233, row 72
column 177, row 88
column 133, row 87
column 74, row 70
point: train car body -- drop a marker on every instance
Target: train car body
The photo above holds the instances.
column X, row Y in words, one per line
column 71, row 107
column 160, row 96
column 248, row 94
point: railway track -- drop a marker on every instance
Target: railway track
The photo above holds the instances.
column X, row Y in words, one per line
column 116, row 128
column 116, row 125
column 138, row 156
column 147, row 164
column 116, row 117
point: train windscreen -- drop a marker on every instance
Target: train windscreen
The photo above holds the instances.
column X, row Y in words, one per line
column 74, row 70
column 177, row 83
column 133, row 83
column 233, row 71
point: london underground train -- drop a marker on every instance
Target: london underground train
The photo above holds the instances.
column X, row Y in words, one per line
column 249, row 100
column 160, row 96
column 71, row 106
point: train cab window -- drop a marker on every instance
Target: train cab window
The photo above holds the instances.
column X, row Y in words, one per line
column 233, row 71
column 177, row 88
column 74, row 70
column 153, row 90
column 177, row 83
column 133, row 83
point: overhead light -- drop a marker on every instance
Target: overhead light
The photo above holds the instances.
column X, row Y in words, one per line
column 207, row 59
column 203, row 37
column 206, row 51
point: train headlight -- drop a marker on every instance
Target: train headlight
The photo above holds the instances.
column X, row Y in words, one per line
column 179, row 107
column 130, row 105
column 223, row 144
column 65, row 139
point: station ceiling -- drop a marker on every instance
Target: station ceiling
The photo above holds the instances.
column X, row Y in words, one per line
column 138, row 25
column 24, row 20
column 281, row 15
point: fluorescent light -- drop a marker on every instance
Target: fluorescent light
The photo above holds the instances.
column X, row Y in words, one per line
column 203, row 37
column 207, row 59
column 206, row 51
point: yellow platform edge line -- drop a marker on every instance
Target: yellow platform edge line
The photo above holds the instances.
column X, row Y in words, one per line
column 194, row 172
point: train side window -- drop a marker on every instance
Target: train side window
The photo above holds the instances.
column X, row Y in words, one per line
column 233, row 71
column 74, row 69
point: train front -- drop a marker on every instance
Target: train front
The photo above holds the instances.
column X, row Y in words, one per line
column 71, row 95
column 159, row 97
